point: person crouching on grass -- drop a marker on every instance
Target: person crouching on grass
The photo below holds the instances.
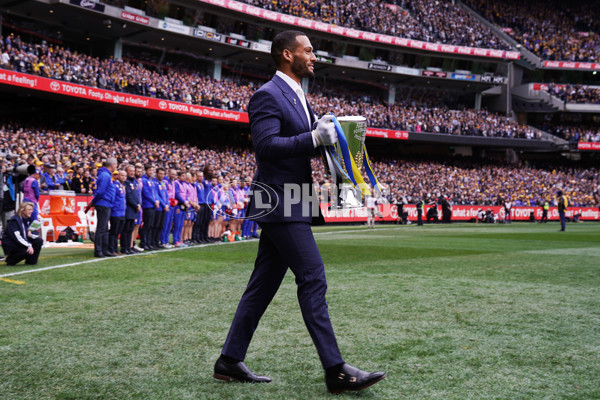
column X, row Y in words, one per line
column 18, row 242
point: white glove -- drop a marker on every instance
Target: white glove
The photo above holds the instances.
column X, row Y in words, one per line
column 325, row 134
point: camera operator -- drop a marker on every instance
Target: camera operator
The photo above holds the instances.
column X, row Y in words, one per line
column 8, row 192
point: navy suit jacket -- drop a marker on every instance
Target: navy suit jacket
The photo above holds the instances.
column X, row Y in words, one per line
column 282, row 139
column 132, row 198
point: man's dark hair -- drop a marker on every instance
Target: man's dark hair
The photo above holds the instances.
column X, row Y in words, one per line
column 159, row 169
column 560, row 193
column 148, row 166
column 282, row 41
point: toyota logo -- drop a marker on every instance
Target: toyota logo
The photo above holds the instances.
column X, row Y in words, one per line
column 55, row 86
column 162, row 105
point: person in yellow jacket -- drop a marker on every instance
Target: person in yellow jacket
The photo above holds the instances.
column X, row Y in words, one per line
column 562, row 203
column 545, row 208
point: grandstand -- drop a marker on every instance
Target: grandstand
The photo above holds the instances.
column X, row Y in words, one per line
column 474, row 91
column 469, row 103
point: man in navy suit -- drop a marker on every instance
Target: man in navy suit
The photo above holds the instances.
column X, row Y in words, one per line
column 134, row 206
column 281, row 123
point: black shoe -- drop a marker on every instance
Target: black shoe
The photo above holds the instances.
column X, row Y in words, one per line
column 99, row 255
column 237, row 372
column 109, row 254
column 346, row 377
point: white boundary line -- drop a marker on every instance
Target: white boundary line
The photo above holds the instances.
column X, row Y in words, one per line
column 169, row 250
column 111, row 258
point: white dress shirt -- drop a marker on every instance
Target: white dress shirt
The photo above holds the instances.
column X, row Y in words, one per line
column 299, row 92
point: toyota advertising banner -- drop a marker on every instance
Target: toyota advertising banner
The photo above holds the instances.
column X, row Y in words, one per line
column 591, row 146
column 125, row 99
column 355, row 34
column 387, row 133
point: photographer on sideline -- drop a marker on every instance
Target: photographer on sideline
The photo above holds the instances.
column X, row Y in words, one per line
column 18, row 242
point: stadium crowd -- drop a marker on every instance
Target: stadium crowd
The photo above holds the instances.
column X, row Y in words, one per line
column 67, row 157
column 572, row 93
column 404, row 115
column 553, row 30
column 468, row 182
column 438, row 22
column 57, row 62
column 573, row 132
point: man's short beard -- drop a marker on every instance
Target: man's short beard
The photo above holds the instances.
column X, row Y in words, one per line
column 300, row 69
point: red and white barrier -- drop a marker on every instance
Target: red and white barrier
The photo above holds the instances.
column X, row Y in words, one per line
column 459, row 213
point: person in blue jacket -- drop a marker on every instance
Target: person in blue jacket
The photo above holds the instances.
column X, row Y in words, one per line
column 149, row 206
column 61, row 178
column 50, row 177
column 133, row 203
column 160, row 191
column 102, row 202
column 117, row 212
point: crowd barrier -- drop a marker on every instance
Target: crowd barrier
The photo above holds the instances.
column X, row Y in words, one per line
column 389, row 213
column 69, row 211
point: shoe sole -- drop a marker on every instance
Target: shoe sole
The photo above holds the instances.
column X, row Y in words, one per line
column 231, row 379
column 357, row 388
column 225, row 378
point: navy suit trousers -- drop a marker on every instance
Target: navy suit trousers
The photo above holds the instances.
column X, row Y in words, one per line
column 101, row 238
column 284, row 245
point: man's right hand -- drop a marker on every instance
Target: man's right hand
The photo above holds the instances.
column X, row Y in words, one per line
column 325, row 133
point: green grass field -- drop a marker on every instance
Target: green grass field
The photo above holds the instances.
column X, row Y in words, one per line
column 462, row 311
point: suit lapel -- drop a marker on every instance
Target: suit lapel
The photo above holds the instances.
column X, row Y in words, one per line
column 293, row 99
column 312, row 114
